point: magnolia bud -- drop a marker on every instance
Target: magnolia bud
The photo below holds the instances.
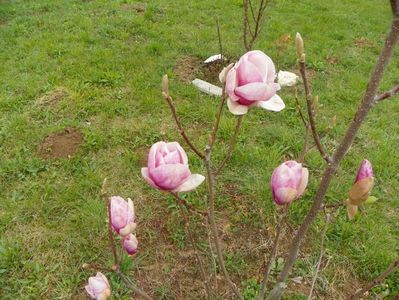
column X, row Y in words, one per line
column 165, row 85
column 361, row 189
column 363, row 185
column 300, row 49
column 288, row 182
column 98, row 287
column 130, row 244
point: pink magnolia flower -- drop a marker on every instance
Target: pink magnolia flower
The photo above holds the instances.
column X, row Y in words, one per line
column 363, row 185
column 122, row 215
column 98, row 287
column 130, row 244
column 288, row 182
column 168, row 169
column 250, row 82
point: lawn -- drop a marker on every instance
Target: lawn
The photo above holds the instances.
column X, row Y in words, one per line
column 88, row 73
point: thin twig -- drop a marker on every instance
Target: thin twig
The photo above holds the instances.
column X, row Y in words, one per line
column 252, row 10
column 231, row 146
column 169, row 100
column 220, row 39
column 110, row 233
column 212, row 221
column 197, row 255
column 212, row 253
column 273, row 254
column 392, row 92
column 364, row 108
column 311, row 117
column 323, row 237
column 246, row 25
column 181, row 201
column 223, row 97
column 131, row 286
column 305, row 123
column 391, row 269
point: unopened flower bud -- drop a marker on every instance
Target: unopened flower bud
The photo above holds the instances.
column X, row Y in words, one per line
column 289, row 181
column 363, row 185
column 98, row 287
column 300, row 49
column 361, row 189
column 130, row 244
column 165, row 85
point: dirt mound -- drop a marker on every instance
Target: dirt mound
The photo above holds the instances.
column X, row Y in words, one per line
column 60, row 144
column 52, row 98
column 190, row 67
column 136, row 7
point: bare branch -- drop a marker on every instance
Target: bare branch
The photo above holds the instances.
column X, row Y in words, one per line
column 391, row 269
column 392, row 92
column 310, row 108
column 323, row 237
column 231, row 146
column 131, row 286
column 169, row 100
column 364, row 108
column 195, row 248
column 189, row 207
column 212, row 221
column 273, row 254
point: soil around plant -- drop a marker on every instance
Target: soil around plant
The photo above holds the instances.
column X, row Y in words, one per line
column 63, row 144
column 190, row 67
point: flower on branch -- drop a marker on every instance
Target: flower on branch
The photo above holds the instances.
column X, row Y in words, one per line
column 288, row 182
column 122, row 215
column 130, row 244
column 168, row 169
column 361, row 189
column 98, row 287
column 250, row 82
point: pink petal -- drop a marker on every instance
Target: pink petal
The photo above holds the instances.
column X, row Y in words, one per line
column 283, row 177
column 118, row 212
column 102, row 276
column 304, row 181
column 236, row 108
column 264, row 64
column 256, row 91
column 152, row 154
column 247, row 72
column 365, row 170
column 191, row 183
column 89, row 291
column 180, row 150
column 231, row 83
column 169, row 177
column 130, row 211
column 146, row 175
column 274, row 104
column 172, row 158
column 284, row 195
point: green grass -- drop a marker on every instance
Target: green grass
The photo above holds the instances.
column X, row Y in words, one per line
column 110, row 59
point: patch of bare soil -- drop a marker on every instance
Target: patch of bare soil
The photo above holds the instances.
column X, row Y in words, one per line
column 60, row 144
column 52, row 98
column 190, row 67
column 363, row 42
column 187, row 68
column 136, row 7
